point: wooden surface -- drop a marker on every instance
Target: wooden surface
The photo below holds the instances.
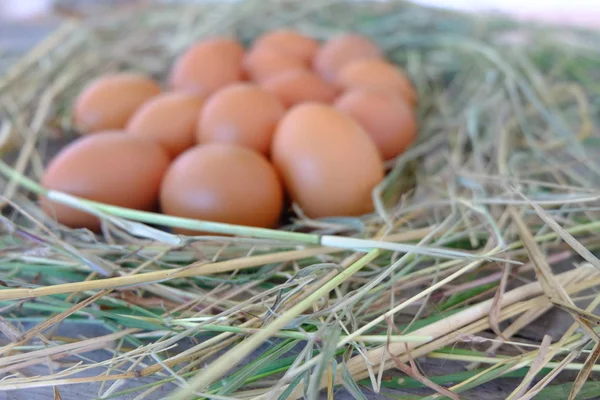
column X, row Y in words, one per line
column 19, row 37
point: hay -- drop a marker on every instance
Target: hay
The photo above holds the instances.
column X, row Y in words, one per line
column 500, row 188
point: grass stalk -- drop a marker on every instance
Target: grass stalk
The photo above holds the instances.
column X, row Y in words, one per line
column 228, row 360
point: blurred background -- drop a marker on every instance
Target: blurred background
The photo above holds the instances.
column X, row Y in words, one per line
column 571, row 12
column 24, row 23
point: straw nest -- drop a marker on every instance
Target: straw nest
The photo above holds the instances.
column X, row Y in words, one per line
column 459, row 257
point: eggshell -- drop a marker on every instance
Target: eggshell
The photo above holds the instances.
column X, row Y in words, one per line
column 378, row 74
column 300, row 86
column 223, row 183
column 263, row 63
column 242, row 114
column 208, row 66
column 291, row 43
column 384, row 115
column 169, row 119
column 112, row 167
column 109, row 101
column 341, row 50
column 328, row 162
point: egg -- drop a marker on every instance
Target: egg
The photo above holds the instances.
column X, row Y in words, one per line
column 327, row 161
column 169, row 119
column 242, row 114
column 300, row 86
column 342, row 50
column 384, row 115
column 208, row 66
column 112, row 168
column 223, row 183
column 263, row 63
column 109, row 101
column 378, row 74
column 291, row 43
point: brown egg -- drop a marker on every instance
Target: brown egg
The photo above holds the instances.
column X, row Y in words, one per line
column 208, row 66
column 263, row 63
column 169, row 119
column 384, row 115
column 109, row 101
column 328, row 162
column 113, row 168
column 291, row 43
column 300, row 86
column 378, row 74
column 342, row 50
column 223, row 183
column 242, row 114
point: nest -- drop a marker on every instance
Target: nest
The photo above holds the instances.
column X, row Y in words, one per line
column 482, row 227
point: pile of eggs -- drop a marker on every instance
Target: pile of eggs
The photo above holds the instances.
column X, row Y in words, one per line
column 239, row 131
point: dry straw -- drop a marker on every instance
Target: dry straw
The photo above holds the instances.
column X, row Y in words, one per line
column 479, row 228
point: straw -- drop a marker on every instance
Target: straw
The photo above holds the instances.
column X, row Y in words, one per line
column 473, row 225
